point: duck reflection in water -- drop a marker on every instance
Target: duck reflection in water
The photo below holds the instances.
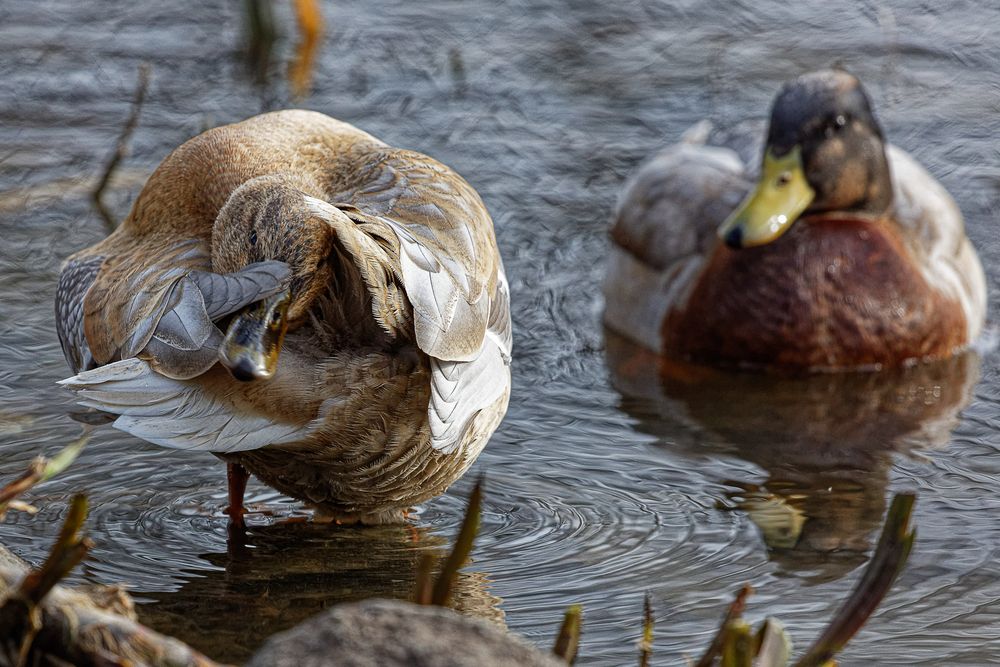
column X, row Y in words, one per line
column 825, row 442
column 283, row 576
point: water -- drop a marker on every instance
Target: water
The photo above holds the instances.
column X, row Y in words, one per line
column 602, row 483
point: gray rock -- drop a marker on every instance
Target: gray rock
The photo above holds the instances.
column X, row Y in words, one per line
column 389, row 633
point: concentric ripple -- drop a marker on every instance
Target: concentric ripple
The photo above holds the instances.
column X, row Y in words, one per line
column 604, row 481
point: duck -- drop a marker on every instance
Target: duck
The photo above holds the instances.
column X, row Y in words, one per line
column 841, row 253
column 315, row 307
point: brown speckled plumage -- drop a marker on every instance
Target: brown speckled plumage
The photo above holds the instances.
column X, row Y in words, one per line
column 393, row 375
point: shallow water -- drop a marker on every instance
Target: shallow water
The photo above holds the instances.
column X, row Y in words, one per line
column 602, row 483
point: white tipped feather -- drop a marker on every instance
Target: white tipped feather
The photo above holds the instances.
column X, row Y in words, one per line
column 177, row 414
column 449, row 322
column 467, row 337
column 447, row 319
column 461, row 389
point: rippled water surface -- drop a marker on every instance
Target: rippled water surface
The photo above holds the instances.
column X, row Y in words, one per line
column 603, row 482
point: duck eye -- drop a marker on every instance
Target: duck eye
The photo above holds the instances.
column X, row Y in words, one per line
column 834, row 126
column 784, row 178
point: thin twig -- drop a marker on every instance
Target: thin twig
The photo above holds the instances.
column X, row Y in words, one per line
column 735, row 611
column 20, row 613
column 31, row 477
column 67, row 553
column 45, row 623
column 121, row 148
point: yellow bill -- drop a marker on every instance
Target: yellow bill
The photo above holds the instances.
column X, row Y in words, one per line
column 781, row 195
column 252, row 343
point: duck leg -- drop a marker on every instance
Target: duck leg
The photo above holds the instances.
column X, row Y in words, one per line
column 237, row 477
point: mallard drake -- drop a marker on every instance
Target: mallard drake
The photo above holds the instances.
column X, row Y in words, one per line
column 846, row 254
column 306, row 302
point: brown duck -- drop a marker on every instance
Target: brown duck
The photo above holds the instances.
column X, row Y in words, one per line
column 353, row 293
column 846, row 254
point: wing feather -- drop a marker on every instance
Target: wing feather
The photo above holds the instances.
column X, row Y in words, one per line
column 932, row 220
column 452, row 278
column 177, row 414
column 460, row 390
column 225, row 294
column 75, row 280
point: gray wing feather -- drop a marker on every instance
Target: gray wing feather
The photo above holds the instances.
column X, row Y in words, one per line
column 179, row 338
column 448, row 325
column 185, row 342
column 499, row 325
column 670, row 209
column 448, row 322
column 461, row 389
column 225, row 294
column 665, row 223
column 75, row 279
column 178, row 414
column 465, row 379
column 930, row 217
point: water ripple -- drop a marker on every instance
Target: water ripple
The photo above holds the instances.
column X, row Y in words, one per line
column 601, row 484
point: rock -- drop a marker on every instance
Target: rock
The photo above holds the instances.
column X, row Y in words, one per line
column 389, row 633
column 89, row 625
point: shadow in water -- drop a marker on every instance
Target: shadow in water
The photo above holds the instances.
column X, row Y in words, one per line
column 825, row 442
column 286, row 573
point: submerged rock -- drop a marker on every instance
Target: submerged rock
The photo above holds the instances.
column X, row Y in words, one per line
column 387, row 633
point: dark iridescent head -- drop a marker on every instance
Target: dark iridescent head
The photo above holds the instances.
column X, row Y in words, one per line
column 824, row 153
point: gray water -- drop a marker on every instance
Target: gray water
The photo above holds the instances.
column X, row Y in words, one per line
column 603, row 483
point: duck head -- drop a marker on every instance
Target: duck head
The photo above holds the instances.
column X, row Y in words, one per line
column 824, row 154
column 267, row 219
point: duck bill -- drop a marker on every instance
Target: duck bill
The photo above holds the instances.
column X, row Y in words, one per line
column 252, row 343
column 781, row 195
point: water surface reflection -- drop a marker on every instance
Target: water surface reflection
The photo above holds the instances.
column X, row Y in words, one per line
column 826, row 443
column 285, row 572
column 590, row 498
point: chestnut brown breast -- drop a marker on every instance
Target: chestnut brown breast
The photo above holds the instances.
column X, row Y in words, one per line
column 833, row 293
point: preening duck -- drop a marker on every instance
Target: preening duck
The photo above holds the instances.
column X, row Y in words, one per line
column 846, row 254
column 353, row 293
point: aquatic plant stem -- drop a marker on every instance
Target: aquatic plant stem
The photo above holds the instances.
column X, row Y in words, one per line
column 40, row 470
column 42, row 622
column 310, row 22
column 734, row 611
column 20, row 617
column 462, row 549
column 646, row 643
column 568, row 639
column 887, row 562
